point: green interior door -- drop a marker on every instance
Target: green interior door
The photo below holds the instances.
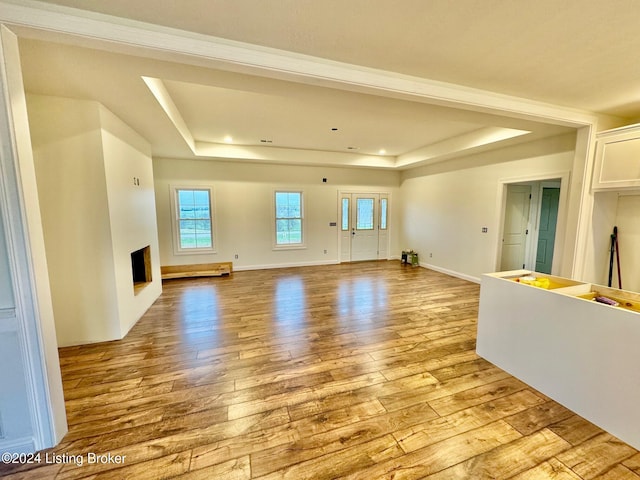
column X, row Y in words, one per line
column 547, row 229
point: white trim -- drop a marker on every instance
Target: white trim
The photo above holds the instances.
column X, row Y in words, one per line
column 175, row 228
column 18, row 445
column 384, row 232
column 366, row 191
column 339, row 231
column 303, row 221
column 8, row 320
column 291, row 246
column 159, row 91
column 284, row 265
column 111, row 32
column 619, row 130
column 7, row 313
column 584, row 199
column 501, row 199
column 385, row 198
column 451, row 273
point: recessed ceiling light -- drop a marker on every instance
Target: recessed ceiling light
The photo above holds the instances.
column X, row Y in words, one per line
column 382, row 151
column 228, row 139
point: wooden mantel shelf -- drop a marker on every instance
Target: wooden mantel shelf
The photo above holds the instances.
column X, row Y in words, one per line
column 196, row 270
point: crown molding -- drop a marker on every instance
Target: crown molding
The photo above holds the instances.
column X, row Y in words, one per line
column 40, row 20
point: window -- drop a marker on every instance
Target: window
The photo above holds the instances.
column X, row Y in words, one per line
column 288, row 219
column 383, row 213
column 345, row 214
column 364, row 213
column 193, row 220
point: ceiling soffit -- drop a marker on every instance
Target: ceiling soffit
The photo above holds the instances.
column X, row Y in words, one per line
column 305, row 126
column 113, row 34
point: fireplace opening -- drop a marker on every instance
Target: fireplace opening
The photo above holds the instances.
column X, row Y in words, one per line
column 141, row 268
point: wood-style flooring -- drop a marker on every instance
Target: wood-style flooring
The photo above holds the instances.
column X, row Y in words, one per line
column 359, row 371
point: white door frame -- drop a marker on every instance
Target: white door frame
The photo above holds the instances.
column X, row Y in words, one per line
column 20, row 216
column 519, row 195
column 563, row 177
column 364, row 241
column 342, row 238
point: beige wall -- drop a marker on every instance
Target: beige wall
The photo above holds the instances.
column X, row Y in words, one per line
column 242, row 196
column 445, row 206
column 438, row 209
column 132, row 214
column 628, row 223
column 75, row 217
column 93, row 216
column 621, row 210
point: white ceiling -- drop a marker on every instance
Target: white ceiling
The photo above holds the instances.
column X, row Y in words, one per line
column 573, row 54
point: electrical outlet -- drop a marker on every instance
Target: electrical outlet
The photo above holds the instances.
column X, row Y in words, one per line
column 236, row 256
column 325, row 252
column 430, row 255
column 485, row 229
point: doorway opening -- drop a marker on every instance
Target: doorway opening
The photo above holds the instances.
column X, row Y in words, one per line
column 364, row 226
column 531, row 226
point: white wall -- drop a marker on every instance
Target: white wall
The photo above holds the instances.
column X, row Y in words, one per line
column 602, row 221
column 621, row 210
column 67, row 146
column 628, row 223
column 31, row 397
column 242, row 197
column 93, row 216
column 445, row 206
column 132, row 214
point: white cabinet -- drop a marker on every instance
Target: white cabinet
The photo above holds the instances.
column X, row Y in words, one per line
column 581, row 353
column 617, row 160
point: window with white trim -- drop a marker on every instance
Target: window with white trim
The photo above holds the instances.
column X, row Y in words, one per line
column 383, row 213
column 193, row 220
column 289, row 218
column 345, row 214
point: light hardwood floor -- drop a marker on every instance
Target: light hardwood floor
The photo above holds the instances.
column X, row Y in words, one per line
column 361, row 371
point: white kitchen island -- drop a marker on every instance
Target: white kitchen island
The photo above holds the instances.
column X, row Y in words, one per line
column 583, row 354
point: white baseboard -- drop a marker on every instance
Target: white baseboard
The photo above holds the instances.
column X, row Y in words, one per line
column 446, row 271
column 451, row 273
column 284, row 265
column 18, row 445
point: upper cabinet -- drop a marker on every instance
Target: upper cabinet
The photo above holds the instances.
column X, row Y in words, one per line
column 617, row 161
